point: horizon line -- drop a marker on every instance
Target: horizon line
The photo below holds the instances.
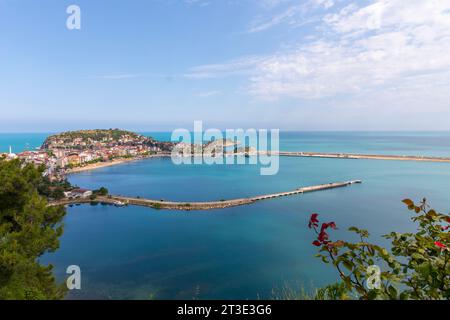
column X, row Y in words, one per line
column 167, row 131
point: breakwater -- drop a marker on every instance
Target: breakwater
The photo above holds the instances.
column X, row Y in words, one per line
column 206, row 205
column 362, row 156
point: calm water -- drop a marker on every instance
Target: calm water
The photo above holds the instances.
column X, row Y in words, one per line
column 397, row 143
column 242, row 252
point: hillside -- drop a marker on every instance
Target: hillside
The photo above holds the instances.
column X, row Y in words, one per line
column 88, row 139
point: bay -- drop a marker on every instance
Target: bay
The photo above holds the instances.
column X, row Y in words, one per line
column 243, row 252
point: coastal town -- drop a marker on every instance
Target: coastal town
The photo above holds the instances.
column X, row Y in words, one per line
column 63, row 153
column 75, row 151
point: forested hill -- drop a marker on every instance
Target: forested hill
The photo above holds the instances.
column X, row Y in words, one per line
column 96, row 137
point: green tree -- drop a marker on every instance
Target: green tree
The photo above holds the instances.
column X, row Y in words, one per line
column 416, row 267
column 28, row 229
column 101, row 192
column 53, row 189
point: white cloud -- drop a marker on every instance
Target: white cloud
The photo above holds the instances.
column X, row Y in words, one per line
column 286, row 15
column 327, row 4
column 385, row 14
column 207, row 94
column 391, row 47
column 242, row 66
column 297, row 14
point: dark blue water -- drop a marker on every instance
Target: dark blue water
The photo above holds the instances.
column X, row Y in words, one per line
column 242, row 252
column 249, row 251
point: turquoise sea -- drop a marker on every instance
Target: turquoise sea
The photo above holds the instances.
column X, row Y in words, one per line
column 243, row 252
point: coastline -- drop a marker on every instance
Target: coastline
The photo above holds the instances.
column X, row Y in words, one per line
column 99, row 165
column 114, row 162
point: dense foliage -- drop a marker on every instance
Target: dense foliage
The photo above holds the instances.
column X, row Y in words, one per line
column 101, row 138
column 87, row 139
column 53, row 189
column 28, row 229
column 417, row 266
column 101, row 192
column 95, row 134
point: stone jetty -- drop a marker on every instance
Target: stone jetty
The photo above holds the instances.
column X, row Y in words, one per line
column 206, row 205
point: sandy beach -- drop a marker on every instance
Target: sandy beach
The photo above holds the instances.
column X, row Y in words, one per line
column 99, row 165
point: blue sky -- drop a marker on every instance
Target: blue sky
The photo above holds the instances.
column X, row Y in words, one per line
column 161, row 64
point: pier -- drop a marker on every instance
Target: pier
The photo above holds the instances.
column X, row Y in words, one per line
column 206, row 205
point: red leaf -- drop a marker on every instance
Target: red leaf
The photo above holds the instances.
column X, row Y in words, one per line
column 440, row 245
column 332, row 225
column 313, row 221
column 323, row 237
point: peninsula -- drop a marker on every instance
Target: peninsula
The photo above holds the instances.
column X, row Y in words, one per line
column 76, row 151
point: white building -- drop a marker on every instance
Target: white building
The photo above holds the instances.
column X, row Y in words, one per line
column 10, row 154
column 78, row 193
